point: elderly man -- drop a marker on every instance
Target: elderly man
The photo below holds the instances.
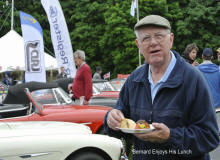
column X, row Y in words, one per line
column 169, row 93
column 82, row 83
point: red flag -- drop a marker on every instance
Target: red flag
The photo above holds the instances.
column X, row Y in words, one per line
column 107, row 75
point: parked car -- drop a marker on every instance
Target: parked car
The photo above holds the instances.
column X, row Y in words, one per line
column 55, row 141
column 103, row 92
column 48, row 102
column 102, row 85
column 117, row 83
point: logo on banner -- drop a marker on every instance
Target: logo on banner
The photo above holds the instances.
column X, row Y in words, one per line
column 53, row 11
column 33, row 58
column 32, row 20
column 59, row 40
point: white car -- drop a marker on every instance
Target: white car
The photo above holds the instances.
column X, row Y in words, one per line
column 55, row 141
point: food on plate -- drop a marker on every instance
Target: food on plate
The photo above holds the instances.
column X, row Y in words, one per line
column 127, row 123
column 142, row 124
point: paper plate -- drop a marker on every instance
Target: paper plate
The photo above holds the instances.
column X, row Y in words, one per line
column 128, row 130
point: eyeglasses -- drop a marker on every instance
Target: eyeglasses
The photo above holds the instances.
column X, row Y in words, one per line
column 158, row 37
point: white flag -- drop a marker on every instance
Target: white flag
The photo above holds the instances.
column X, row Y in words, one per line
column 60, row 36
column 33, row 48
column 133, row 6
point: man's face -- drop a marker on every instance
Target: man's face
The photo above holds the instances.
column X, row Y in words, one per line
column 77, row 60
column 62, row 69
column 154, row 44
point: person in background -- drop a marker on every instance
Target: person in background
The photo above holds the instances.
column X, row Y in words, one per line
column 164, row 93
column 97, row 74
column 7, row 80
column 62, row 73
column 218, row 54
column 82, row 83
column 211, row 73
column 190, row 53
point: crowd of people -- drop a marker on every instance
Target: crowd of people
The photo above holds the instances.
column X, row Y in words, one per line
column 209, row 70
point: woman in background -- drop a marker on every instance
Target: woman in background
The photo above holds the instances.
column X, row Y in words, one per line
column 190, row 54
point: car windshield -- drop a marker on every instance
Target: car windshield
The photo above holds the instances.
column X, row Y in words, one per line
column 95, row 91
column 117, row 84
column 51, row 96
column 103, row 86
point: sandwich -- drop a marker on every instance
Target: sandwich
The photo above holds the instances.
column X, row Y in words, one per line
column 127, row 123
column 130, row 124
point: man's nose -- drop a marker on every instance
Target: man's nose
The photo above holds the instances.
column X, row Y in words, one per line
column 153, row 41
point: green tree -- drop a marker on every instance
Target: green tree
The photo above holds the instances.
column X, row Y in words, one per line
column 200, row 25
column 104, row 29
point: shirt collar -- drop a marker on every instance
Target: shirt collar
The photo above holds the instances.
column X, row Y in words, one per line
column 81, row 65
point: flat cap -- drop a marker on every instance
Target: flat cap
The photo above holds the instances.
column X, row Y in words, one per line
column 154, row 20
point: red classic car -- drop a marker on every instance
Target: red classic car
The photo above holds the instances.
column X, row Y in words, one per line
column 47, row 102
column 103, row 92
column 103, row 88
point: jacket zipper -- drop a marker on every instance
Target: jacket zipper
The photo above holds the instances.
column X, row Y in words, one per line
column 150, row 99
column 151, row 114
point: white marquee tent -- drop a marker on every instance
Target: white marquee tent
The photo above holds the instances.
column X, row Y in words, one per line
column 12, row 54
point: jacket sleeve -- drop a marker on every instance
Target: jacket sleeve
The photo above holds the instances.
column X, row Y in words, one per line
column 122, row 105
column 201, row 135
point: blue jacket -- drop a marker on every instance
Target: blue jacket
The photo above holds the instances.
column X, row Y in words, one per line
column 211, row 73
column 183, row 103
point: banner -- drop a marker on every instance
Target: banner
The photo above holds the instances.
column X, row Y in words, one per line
column 33, row 49
column 60, row 36
column 133, row 6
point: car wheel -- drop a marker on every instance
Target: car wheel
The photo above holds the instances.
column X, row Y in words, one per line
column 87, row 156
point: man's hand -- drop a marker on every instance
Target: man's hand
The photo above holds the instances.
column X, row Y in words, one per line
column 195, row 63
column 161, row 134
column 69, row 87
column 114, row 118
column 85, row 102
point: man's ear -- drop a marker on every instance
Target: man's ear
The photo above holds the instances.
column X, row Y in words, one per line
column 137, row 43
column 171, row 39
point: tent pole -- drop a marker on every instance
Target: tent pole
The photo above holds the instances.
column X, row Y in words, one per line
column 12, row 15
column 139, row 54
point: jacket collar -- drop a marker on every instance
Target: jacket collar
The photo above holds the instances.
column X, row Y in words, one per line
column 175, row 78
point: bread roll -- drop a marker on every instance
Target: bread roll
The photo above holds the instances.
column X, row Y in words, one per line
column 127, row 123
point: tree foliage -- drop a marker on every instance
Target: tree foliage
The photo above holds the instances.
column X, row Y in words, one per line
column 104, row 28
